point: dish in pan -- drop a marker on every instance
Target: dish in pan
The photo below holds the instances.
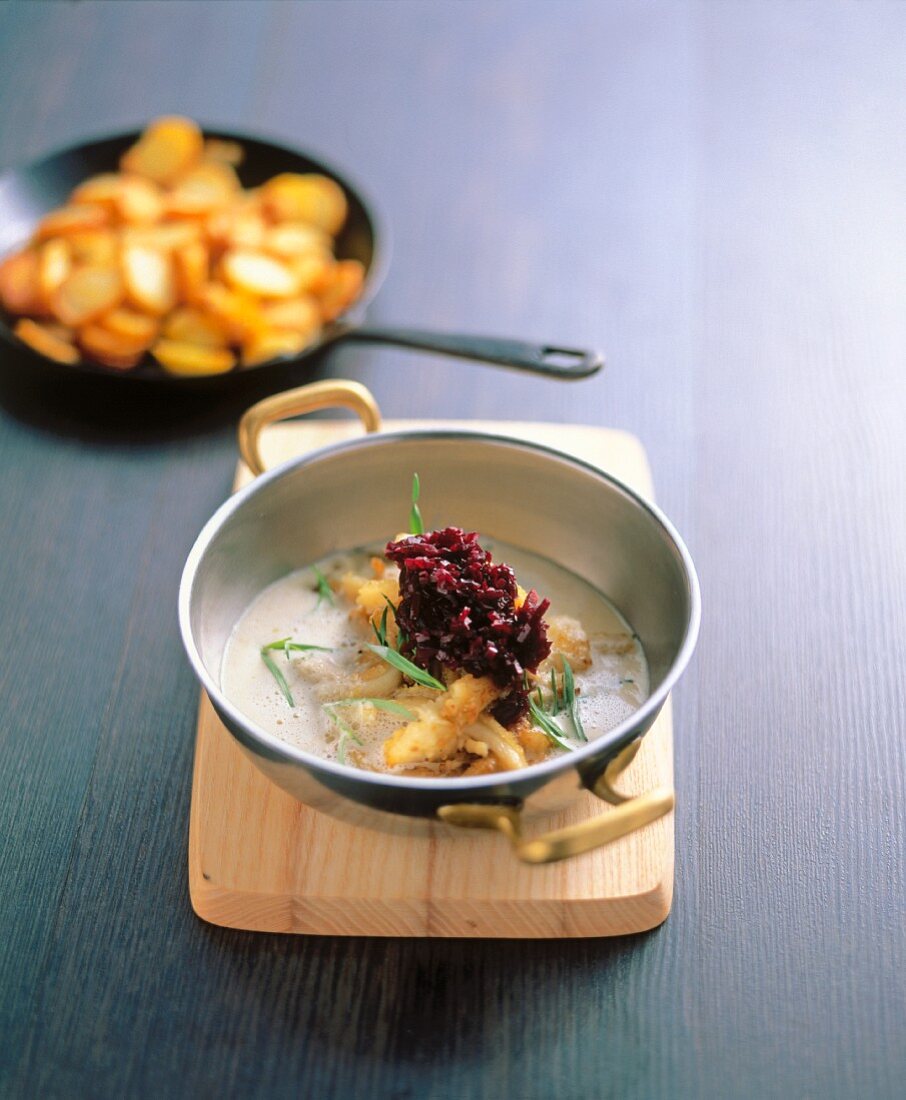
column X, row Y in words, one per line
column 426, row 658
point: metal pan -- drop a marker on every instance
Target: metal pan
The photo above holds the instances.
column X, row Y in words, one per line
column 30, row 191
column 537, row 498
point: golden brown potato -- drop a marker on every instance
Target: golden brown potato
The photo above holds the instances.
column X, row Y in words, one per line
column 117, row 351
column 20, row 286
column 344, row 286
column 54, row 266
column 94, row 246
column 138, row 328
column 311, row 198
column 71, row 219
column 239, row 314
column 225, row 152
column 272, row 344
column 44, row 341
column 206, row 188
column 150, row 279
column 192, row 326
column 192, row 264
column 86, row 294
column 190, row 359
column 258, row 274
column 296, row 314
column 292, row 239
column 167, row 148
column 129, row 199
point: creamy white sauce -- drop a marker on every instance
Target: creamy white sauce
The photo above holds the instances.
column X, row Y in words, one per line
column 609, row 691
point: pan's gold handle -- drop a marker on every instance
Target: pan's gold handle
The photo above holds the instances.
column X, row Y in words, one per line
column 316, row 395
column 630, row 814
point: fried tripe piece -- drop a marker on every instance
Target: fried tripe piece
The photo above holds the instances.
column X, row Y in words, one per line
column 568, row 639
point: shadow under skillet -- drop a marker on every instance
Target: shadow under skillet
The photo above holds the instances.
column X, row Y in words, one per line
column 97, row 409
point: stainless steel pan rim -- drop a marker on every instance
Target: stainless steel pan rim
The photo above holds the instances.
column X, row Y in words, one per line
column 601, row 747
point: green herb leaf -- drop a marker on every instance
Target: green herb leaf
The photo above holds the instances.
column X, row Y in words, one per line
column 416, row 525
column 555, row 695
column 548, row 726
column 271, row 666
column 347, row 733
column 288, row 645
column 572, row 702
column 325, row 592
column 380, row 632
column 390, row 705
column 406, row 666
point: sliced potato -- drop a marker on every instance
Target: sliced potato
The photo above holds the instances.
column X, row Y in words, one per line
column 45, row 341
column 54, row 266
column 311, row 198
column 190, row 359
column 314, row 271
column 168, row 147
column 239, row 314
column 150, row 279
column 100, row 343
column 86, row 294
column 192, row 263
column 129, row 199
column 94, row 246
column 206, row 188
column 165, row 236
column 192, row 326
column 259, row 274
column 344, row 287
column 71, row 219
column 20, row 286
column 272, row 344
column 291, row 239
column 294, row 314
column 224, row 152
column 137, row 329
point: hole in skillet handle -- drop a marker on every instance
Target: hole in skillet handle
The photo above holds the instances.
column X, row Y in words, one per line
column 571, row 362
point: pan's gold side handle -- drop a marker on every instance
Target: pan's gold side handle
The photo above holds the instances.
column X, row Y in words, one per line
column 317, row 395
column 630, row 814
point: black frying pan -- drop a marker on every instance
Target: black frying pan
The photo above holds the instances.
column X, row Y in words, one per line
column 29, row 192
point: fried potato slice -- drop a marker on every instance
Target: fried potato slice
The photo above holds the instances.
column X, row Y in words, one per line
column 224, row 152
column 292, row 239
column 54, row 266
column 165, row 236
column 239, row 314
column 313, row 271
column 206, row 188
column 258, row 274
column 86, row 294
column 192, row 360
column 71, row 219
column 310, row 198
column 192, row 264
column 150, row 279
column 94, row 246
column 295, row 314
column 128, row 199
column 343, row 287
column 169, row 147
column 45, row 341
column 107, row 347
column 20, row 286
column 193, row 326
column 272, row 344
column 138, row 329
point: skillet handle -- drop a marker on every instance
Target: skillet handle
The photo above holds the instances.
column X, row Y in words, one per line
column 316, row 395
column 547, row 359
column 630, row 814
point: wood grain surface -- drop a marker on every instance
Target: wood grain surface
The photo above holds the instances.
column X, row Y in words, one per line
column 260, row 861
column 715, row 194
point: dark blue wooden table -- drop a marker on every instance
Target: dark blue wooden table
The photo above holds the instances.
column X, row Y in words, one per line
column 716, row 193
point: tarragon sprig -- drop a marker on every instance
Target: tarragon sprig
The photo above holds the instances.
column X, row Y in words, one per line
column 418, row 675
column 416, row 524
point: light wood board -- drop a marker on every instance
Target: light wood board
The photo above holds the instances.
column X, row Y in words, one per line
column 261, row 861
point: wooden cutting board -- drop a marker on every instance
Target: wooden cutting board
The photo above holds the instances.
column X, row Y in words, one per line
column 261, row 861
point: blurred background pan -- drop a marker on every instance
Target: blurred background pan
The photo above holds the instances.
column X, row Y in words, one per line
column 29, row 192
